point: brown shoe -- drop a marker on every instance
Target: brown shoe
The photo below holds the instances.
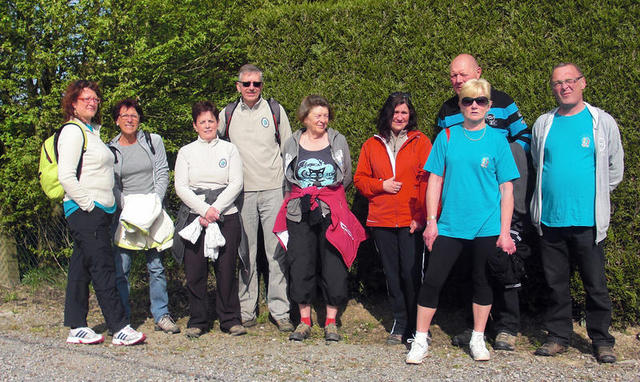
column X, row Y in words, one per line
column 285, row 325
column 394, row 339
column 237, row 330
column 167, row 325
column 193, row 332
column 505, row 341
column 605, row 354
column 250, row 323
column 331, row 333
column 549, row 349
column 302, row 332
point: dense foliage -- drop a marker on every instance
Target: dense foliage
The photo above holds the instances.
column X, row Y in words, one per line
column 353, row 52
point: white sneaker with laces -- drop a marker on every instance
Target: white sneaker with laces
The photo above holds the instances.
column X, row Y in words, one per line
column 479, row 350
column 84, row 336
column 417, row 353
column 128, row 336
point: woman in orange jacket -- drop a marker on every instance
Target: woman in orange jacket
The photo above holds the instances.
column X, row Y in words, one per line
column 390, row 175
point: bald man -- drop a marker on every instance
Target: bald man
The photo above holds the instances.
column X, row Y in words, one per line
column 506, row 118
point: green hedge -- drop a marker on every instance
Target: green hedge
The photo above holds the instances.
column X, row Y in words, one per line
column 357, row 52
column 354, row 52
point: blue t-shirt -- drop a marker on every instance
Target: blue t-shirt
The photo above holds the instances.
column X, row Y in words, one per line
column 476, row 163
column 315, row 168
column 569, row 172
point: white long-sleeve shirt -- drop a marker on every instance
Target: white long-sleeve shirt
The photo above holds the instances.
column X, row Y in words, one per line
column 209, row 165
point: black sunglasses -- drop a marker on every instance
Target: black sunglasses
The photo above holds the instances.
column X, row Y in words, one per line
column 246, row 84
column 481, row 101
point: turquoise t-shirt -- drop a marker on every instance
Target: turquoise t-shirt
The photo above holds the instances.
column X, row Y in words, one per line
column 476, row 163
column 569, row 172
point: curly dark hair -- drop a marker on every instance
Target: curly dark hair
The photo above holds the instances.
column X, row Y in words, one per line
column 127, row 103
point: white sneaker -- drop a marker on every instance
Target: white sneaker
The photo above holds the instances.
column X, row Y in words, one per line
column 417, row 353
column 84, row 336
column 128, row 336
column 478, row 349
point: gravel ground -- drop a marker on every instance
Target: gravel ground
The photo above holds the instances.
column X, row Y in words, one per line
column 32, row 347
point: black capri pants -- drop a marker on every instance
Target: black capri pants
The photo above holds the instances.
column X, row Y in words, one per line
column 313, row 260
column 446, row 251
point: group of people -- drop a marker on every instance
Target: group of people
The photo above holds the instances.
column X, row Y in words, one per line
column 463, row 197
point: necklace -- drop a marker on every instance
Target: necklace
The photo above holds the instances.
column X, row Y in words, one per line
column 464, row 131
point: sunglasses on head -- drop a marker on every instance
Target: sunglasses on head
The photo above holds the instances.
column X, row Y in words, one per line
column 480, row 101
column 246, row 84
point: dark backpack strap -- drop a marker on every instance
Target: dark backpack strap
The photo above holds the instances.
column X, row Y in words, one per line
column 228, row 113
column 147, row 137
column 56, row 136
column 113, row 151
column 275, row 113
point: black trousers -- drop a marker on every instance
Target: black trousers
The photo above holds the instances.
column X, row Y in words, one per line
column 402, row 259
column 559, row 249
column 444, row 254
column 92, row 261
column 313, row 260
column 196, row 270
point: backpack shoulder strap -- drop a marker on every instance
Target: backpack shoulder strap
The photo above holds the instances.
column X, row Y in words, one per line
column 275, row 113
column 228, row 113
column 84, row 144
column 147, row 137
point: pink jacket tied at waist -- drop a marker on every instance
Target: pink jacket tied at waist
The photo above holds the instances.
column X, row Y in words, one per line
column 345, row 232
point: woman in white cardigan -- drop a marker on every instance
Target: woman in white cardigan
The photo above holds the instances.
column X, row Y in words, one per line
column 208, row 179
column 87, row 180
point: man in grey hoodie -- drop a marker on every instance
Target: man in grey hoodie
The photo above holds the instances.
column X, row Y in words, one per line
column 577, row 153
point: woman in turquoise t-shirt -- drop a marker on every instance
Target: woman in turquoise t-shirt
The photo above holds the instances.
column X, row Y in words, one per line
column 477, row 204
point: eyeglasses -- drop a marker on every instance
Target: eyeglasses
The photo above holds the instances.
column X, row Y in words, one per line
column 246, row 84
column 480, row 101
column 90, row 99
column 127, row 116
column 568, row 81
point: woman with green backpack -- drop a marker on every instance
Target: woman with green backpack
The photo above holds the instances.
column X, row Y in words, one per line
column 85, row 171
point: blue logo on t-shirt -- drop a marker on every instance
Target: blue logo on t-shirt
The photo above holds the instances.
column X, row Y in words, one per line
column 222, row 163
column 264, row 122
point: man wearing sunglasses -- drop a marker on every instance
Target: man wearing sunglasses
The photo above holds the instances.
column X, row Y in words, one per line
column 505, row 117
column 259, row 131
column 578, row 157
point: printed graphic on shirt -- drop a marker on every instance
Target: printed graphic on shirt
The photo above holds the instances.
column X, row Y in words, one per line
column 264, row 122
column 222, row 163
column 315, row 172
column 484, row 163
column 586, row 142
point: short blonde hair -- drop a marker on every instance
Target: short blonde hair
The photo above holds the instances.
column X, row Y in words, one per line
column 475, row 88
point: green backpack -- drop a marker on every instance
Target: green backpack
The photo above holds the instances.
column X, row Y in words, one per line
column 48, row 169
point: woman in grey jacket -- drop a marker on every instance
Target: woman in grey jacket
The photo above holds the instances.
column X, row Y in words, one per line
column 140, row 168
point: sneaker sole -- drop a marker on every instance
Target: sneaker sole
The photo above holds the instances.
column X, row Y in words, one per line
column 482, row 358
column 126, row 343
column 79, row 341
column 159, row 329
column 415, row 362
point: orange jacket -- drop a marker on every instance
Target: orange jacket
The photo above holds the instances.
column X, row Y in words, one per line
column 374, row 167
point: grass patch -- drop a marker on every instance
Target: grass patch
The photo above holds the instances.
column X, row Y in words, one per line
column 50, row 276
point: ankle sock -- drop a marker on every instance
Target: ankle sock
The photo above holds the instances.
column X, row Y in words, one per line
column 478, row 336
column 306, row 320
column 329, row 321
column 421, row 337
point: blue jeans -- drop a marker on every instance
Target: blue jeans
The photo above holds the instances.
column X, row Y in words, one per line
column 157, row 280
